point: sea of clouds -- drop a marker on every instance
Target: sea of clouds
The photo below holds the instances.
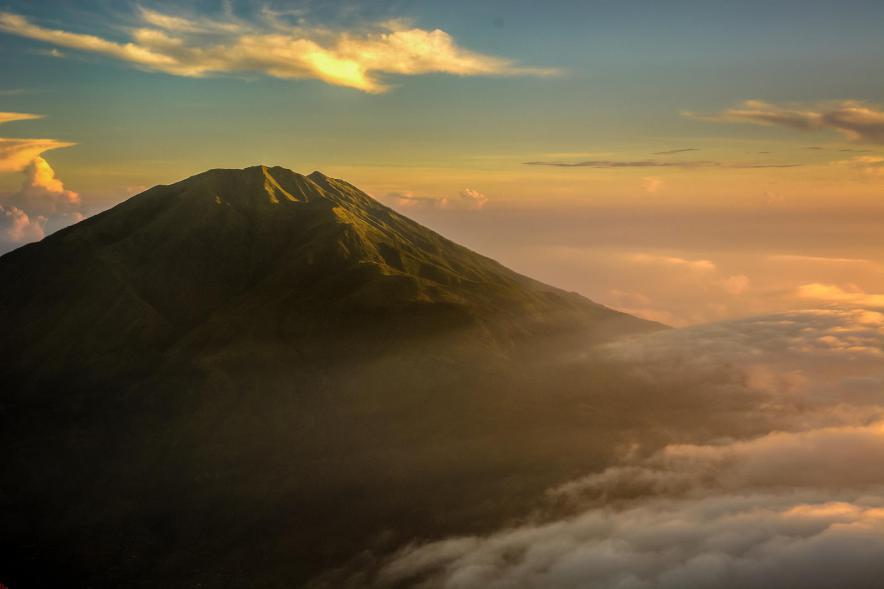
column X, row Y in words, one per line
column 786, row 492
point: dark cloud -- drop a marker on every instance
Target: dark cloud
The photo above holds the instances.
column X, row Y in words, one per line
column 853, row 119
column 674, row 151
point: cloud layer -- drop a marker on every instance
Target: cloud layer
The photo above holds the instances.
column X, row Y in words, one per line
column 799, row 507
column 188, row 47
column 853, row 119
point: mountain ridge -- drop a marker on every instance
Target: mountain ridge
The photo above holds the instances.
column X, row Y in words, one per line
column 213, row 376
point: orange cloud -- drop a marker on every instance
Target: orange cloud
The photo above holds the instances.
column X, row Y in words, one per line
column 17, row 154
column 40, row 206
column 178, row 46
column 9, row 117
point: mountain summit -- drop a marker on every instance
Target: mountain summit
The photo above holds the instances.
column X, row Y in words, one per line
column 264, row 254
column 252, row 375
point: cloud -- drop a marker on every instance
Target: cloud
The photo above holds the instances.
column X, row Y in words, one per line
column 184, row 47
column 844, row 295
column 8, row 117
column 736, row 284
column 473, row 198
column 468, row 198
column 658, row 164
column 870, row 166
column 800, row 506
column 853, row 119
column 643, row 258
column 652, row 184
column 40, row 206
column 674, row 151
column 626, row 164
column 17, row 154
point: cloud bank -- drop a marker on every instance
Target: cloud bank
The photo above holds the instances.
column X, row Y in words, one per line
column 801, row 506
column 195, row 48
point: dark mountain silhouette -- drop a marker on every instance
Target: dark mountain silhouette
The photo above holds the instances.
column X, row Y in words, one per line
column 252, row 376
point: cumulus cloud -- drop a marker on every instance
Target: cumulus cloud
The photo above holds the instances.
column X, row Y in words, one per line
column 799, row 506
column 853, row 119
column 40, row 206
column 195, row 48
column 468, row 198
column 473, row 198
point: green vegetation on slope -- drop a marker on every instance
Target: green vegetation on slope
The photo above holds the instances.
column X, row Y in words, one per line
column 250, row 376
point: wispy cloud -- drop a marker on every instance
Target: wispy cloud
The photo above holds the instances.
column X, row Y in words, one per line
column 16, row 154
column 854, row 119
column 626, row 164
column 182, row 46
column 674, row 151
column 9, row 117
column 659, row 164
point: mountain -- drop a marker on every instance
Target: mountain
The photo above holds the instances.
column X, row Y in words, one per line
column 253, row 376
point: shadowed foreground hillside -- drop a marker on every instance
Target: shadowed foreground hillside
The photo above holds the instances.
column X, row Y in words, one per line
column 252, row 376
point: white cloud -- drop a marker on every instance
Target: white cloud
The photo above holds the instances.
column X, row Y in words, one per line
column 801, row 506
column 186, row 47
column 473, row 198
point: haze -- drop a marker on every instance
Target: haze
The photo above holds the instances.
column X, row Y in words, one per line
column 215, row 217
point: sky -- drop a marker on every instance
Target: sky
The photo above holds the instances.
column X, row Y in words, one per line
column 687, row 162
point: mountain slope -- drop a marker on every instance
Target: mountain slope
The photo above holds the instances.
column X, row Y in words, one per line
column 252, row 375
